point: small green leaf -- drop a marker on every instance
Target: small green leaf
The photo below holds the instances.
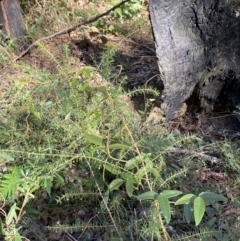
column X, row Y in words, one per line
column 106, row 197
column 47, row 184
column 102, row 89
column 147, row 160
column 94, row 139
column 211, row 222
column 74, row 81
column 130, row 164
column 22, row 172
column 171, row 193
column 115, row 184
column 187, row 212
column 47, row 105
column 36, row 113
column 185, row 199
column 165, row 207
column 198, row 209
column 155, row 172
column 105, row 200
column 84, row 86
column 119, row 11
column 17, row 237
column 33, row 189
column 85, row 70
column 140, row 173
column 112, row 169
column 6, row 156
column 111, row 27
column 12, row 214
column 147, row 195
column 68, row 115
column 127, row 176
column 88, row 71
column 210, row 197
column 129, row 188
column 59, row 179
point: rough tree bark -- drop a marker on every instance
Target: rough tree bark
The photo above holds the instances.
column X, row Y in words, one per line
column 198, row 49
column 11, row 19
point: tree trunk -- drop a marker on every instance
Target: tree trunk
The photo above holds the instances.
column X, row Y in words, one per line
column 11, row 18
column 198, row 50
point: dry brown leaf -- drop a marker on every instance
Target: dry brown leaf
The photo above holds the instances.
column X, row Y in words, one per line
column 44, row 217
column 55, row 235
column 232, row 211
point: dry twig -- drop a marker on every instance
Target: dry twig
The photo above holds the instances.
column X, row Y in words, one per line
column 213, row 159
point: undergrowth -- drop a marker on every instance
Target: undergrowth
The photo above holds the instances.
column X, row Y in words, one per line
column 77, row 159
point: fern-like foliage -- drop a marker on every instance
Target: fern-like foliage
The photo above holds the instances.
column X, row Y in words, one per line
column 76, row 227
column 173, row 176
column 67, row 196
column 202, row 234
column 142, row 90
column 10, row 182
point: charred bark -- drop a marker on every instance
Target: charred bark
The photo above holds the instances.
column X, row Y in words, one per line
column 198, row 48
column 11, row 19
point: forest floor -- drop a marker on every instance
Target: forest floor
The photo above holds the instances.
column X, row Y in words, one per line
column 213, row 153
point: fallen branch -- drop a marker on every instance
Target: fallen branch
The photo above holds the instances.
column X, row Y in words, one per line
column 213, row 159
column 70, row 29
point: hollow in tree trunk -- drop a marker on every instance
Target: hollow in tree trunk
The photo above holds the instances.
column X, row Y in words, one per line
column 198, row 49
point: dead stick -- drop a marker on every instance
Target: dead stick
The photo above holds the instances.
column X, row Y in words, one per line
column 213, row 159
column 70, row 29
